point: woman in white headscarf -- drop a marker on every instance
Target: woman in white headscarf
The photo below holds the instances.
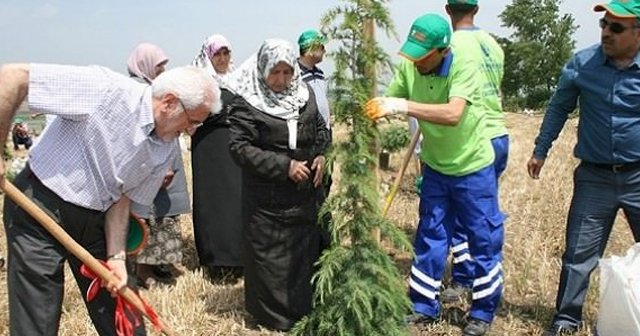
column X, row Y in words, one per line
column 217, row 179
column 215, row 57
column 279, row 138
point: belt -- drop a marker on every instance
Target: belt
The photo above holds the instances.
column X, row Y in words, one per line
column 615, row 168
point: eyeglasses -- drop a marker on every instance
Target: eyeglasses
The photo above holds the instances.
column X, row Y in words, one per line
column 195, row 123
column 615, row 27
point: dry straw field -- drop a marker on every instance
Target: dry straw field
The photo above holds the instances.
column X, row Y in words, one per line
column 533, row 246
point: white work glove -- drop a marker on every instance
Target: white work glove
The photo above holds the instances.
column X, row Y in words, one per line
column 379, row 107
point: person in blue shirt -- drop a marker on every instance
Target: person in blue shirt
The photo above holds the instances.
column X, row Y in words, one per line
column 604, row 80
column 311, row 43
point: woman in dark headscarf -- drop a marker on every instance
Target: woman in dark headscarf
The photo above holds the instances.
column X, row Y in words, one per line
column 217, row 226
column 278, row 138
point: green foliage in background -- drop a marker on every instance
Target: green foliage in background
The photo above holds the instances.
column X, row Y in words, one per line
column 359, row 290
column 541, row 43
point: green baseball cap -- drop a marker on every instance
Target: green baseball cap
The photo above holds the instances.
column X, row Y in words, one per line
column 462, row 2
column 311, row 37
column 428, row 32
column 621, row 8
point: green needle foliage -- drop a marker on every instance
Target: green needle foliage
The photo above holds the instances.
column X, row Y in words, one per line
column 540, row 44
column 394, row 138
column 359, row 290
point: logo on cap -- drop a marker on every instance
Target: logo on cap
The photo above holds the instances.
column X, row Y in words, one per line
column 418, row 35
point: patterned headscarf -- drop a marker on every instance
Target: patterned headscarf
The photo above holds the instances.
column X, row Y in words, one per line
column 143, row 60
column 249, row 81
column 209, row 47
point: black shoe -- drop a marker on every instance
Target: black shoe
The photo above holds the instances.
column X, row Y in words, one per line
column 420, row 320
column 558, row 330
column 476, row 327
column 162, row 272
column 455, row 293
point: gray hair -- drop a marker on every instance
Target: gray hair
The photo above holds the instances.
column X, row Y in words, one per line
column 192, row 85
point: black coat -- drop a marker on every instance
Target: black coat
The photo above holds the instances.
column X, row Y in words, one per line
column 260, row 144
column 281, row 235
column 217, row 185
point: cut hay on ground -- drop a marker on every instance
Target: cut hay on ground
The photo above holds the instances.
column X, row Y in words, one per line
column 534, row 243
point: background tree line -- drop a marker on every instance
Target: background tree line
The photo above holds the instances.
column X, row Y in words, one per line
column 541, row 43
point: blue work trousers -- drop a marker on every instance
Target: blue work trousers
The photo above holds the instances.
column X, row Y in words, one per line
column 462, row 259
column 474, row 200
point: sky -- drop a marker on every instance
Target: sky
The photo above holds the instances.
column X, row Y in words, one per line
column 83, row 32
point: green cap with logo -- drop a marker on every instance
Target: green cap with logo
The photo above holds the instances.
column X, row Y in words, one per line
column 428, row 32
column 621, row 8
column 310, row 37
column 462, row 2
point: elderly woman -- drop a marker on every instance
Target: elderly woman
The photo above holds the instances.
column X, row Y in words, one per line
column 158, row 260
column 278, row 138
column 217, row 179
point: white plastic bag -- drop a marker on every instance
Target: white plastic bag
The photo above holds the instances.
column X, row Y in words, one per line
column 619, row 312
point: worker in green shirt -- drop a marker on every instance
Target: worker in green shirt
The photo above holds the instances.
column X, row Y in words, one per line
column 469, row 41
column 443, row 92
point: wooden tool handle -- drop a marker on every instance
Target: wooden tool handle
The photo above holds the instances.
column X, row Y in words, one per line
column 72, row 246
column 400, row 174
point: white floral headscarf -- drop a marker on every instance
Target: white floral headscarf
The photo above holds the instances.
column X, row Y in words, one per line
column 209, row 47
column 249, row 81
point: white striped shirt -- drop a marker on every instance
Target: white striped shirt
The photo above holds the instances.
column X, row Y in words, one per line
column 315, row 78
column 102, row 144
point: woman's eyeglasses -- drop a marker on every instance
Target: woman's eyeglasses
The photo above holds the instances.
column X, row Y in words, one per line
column 615, row 27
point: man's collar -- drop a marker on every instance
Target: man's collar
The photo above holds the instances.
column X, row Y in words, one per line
column 468, row 28
column 313, row 69
column 603, row 59
column 445, row 65
column 636, row 61
column 146, row 113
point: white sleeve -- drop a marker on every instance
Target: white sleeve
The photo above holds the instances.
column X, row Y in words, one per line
column 72, row 92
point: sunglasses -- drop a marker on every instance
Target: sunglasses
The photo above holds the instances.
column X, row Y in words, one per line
column 615, row 27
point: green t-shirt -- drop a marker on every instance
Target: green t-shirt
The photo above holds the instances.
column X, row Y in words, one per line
column 480, row 45
column 451, row 150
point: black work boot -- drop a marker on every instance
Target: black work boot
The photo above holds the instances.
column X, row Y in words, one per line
column 476, row 327
column 560, row 330
column 420, row 320
column 455, row 293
